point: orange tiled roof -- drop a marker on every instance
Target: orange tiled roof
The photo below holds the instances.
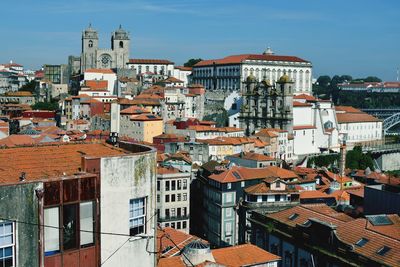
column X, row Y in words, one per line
column 300, row 104
column 42, row 162
column 167, row 170
column 311, row 194
column 145, row 117
column 236, row 59
column 304, row 127
column 150, row 61
column 172, row 80
column 16, row 140
column 97, row 84
column 134, row 110
column 237, row 173
column 253, row 156
column 179, row 238
column 305, row 97
column 243, row 255
column 355, row 118
column 347, row 109
column 104, row 71
column 183, row 68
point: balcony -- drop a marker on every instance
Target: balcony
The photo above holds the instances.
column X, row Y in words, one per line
column 173, row 218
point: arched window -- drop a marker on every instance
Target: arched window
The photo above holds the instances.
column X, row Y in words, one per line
column 90, row 43
column 121, row 44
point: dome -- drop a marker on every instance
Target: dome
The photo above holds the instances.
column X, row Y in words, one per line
column 251, row 78
column 197, row 252
column 266, row 82
column 284, row 79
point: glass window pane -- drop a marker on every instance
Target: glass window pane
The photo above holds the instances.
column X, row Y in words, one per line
column 51, row 193
column 88, row 188
column 70, row 226
column 70, row 190
column 51, row 235
column 87, row 223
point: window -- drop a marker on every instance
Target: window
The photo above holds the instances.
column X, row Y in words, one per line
column 184, row 196
column 137, row 216
column 277, row 197
column 173, row 198
column 229, row 185
column 228, row 197
column 184, row 211
column 362, row 242
column 51, row 235
column 70, row 216
column 86, row 223
column 383, row 250
column 173, row 212
column 7, row 248
column 90, row 43
column 184, row 225
column 167, row 185
column 121, row 44
column 158, row 198
column 179, row 184
column 228, row 228
column 228, row 212
column 173, row 185
column 278, row 184
column 166, row 198
column 179, row 197
column 242, row 183
column 184, row 183
column 167, row 215
column 178, row 225
column 158, row 185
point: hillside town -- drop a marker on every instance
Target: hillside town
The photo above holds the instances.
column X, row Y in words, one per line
column 113, row 160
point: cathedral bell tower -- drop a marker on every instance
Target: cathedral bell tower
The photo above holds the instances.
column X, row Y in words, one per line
column 90, row 43
column 120, row 44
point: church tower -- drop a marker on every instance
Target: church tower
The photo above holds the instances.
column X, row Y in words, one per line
column 90, row 43
column 120, row 43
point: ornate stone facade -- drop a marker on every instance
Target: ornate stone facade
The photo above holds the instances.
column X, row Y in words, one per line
column 93, row 57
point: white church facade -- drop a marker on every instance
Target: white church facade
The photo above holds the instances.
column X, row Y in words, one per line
column 93, row 57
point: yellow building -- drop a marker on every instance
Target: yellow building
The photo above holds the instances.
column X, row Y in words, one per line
column 144, row 127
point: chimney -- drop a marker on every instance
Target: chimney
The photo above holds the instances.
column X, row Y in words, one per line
column 22, row 177
column 342, row 163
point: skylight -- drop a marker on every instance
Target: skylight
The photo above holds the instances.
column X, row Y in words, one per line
column 378, row 220
column 383, row 250
column 293, row 216
column 362, row 242
column 237, row 176
column 307, row 223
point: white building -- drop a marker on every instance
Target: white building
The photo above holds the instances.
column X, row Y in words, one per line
column 229, row 73
column 103, row 75
column 315, row 127
column 182, row 73
column 156, row 66
column 357, row 126
column 173, row 198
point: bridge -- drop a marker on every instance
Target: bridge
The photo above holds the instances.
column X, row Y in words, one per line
column 390, row 116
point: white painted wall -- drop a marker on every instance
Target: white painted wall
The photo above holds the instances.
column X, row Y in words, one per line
column 124, row 178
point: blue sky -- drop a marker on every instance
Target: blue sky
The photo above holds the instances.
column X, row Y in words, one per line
column 357, row 37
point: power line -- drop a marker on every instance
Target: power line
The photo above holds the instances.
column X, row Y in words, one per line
column 115, row 251
column 80, row 230
column 173, row 242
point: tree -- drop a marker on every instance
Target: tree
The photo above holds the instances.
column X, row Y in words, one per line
column 346, row 78
column 324, row 81
column 30, row 86
column 46, row 106
column 372, row 79
column 191, row 62
column 357, row 160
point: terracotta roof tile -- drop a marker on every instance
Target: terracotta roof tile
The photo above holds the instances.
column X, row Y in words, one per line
column 104, row 71
column 253, row 156
column 304, row 127
column 236, row 59
column 150, row 61
column 243, row 255
column 41, row 162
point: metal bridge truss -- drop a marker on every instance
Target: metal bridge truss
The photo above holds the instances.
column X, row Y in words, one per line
column 391, row 121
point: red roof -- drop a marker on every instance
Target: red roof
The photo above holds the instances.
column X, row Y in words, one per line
column 305, row 96
column 301, row 104
column 236, row 59
column 97, row 84
column 355, row 118
column 146, row 117
column 104, row 71
column 304, row 127
column 150, row 61
column 183, row 68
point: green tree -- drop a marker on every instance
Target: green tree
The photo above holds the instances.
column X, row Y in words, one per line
column 46, row 106
column 30, row 86
column 191, row 62
column 356, row 159
column 372, row 79
column 324, row 81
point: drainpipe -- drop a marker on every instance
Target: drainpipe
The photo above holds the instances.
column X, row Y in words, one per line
column 39, row 195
